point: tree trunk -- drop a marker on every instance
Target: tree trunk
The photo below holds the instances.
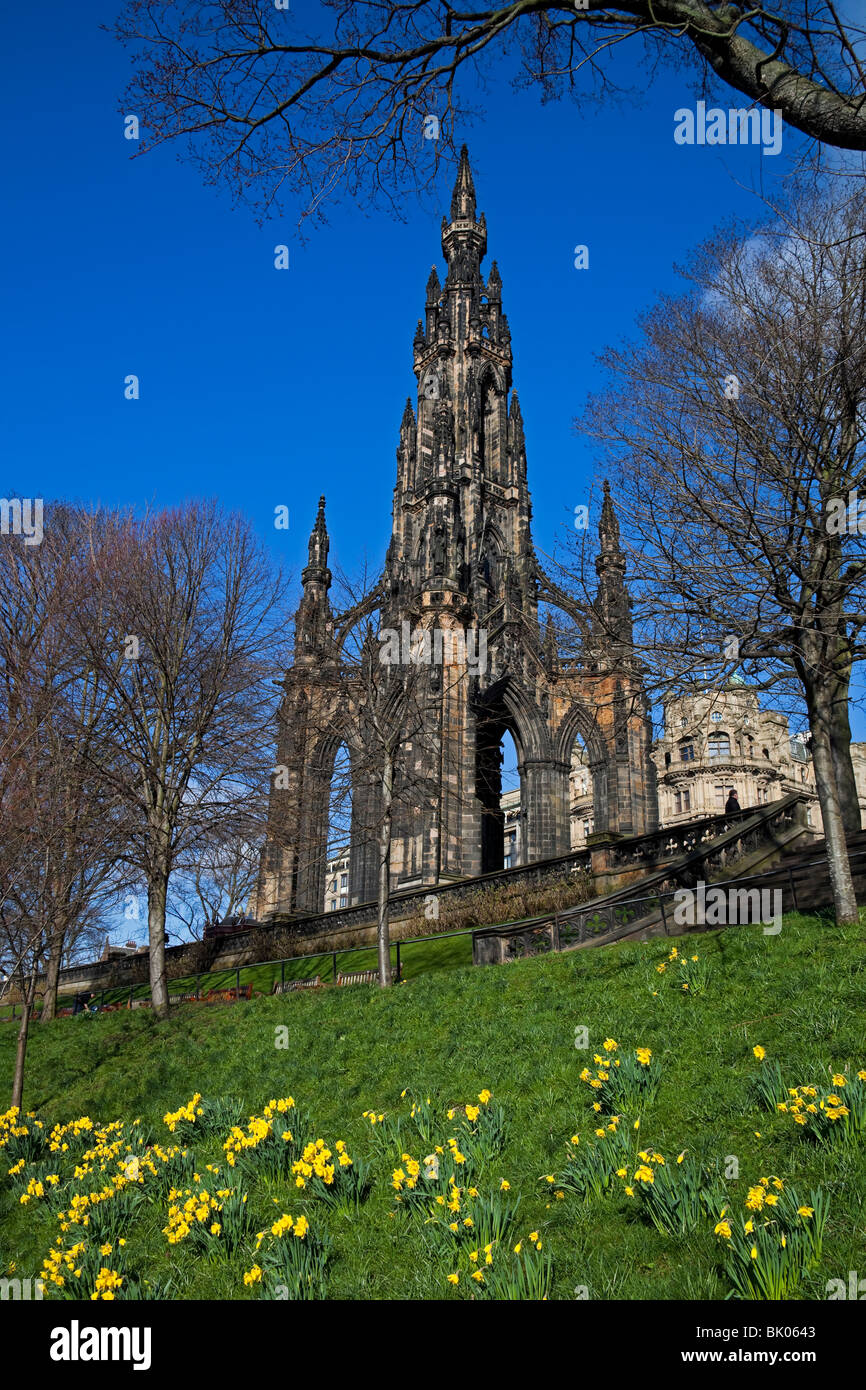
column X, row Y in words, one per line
column 157, row 896
column 52, row 976
column 844, row 901
column 383, row 938
column 846, row 783
column 21, row 1050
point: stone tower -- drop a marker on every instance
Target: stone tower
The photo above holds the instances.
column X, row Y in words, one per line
column 460, row 562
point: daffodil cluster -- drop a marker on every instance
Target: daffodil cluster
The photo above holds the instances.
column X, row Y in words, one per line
column 332, row 1175
column 83, row 1270
column 686, row 972
column 22, row 1136
column 829, row 1112
column 210, row 1219
column 290, row 1262
column 591, row 1168
column 271, row 1142
column 502, row 1271
column 69, row 1136
column 186, row 1115
column 105, row 1211
column 767, row 1251
column 678, row 1197
column 622, row 1084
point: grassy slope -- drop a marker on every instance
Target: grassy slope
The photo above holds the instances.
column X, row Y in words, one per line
column 512, row 1029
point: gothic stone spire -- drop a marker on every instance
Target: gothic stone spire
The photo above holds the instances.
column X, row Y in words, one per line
column 613, row 625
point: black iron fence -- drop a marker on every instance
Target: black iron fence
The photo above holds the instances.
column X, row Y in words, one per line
column 575, row 927
column 261, row 977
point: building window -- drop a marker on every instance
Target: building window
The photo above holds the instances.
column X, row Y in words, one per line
column 587, row 828
column 719, row 746
column 342, row 900
column 808, row 815
column 683, row 722
column 344, row 880
column 720, row 796
column 716, row 716
column 682, row 801
column 667, row 759
column 766, row 752
column 802, row 774
column 687, row 752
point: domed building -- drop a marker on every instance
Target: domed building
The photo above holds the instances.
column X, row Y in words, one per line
column 719, row 739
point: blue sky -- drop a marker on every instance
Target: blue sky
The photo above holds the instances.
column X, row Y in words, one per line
column 265, row 387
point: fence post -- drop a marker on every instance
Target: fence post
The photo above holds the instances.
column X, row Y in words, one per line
column 335, row 967
column 664, row 918
column 282, row 972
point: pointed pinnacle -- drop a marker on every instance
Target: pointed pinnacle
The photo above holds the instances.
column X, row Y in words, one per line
column 463, row 197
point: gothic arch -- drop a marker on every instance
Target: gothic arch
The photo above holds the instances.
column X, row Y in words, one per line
column 492, row 420
column 579, row 720
column 345, row 622
column 524, row 721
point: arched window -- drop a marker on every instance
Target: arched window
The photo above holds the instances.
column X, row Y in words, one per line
column 491, row 453
column 499, row 789
column 339, row 830
column 719, row 746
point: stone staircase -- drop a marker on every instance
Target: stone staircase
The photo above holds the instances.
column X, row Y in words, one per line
column 768, row 847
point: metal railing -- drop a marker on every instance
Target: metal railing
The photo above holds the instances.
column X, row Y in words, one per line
column 552, row 931
column 120, row 997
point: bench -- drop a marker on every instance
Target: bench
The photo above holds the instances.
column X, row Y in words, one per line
column 363, row 977
column 287, row 986
column 228, row 996
column 183, row 999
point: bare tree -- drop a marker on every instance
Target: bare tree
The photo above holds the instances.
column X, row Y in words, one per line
column 268, row 105
column 394, row 713
column 221, row 875
column 183, row 621
column 60, row 835
column 736, row 427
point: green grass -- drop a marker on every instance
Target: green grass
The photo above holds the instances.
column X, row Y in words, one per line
column 416, row 958
column 450, row 1032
